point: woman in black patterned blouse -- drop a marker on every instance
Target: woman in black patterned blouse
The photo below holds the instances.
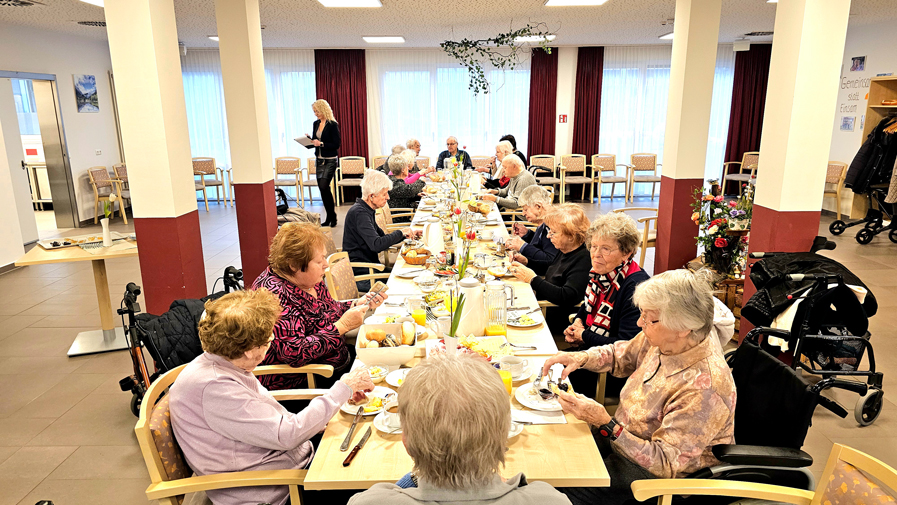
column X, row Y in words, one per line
column 403, row 194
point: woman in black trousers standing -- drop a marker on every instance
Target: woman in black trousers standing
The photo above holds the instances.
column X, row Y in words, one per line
column 326, row 139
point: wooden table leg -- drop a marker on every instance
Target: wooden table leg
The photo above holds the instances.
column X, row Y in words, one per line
column 103, row 299
column 109, row 338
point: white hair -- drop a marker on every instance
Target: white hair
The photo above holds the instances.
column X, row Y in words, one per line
column 452, row 138
column 397, row 164
column 410, row 156
column 396, row 149
column 533, row 195
column 512, row 160
column 374, row 182
column 455, row 419
column 618, row 227
column 505, row 147
column 411, row 142
column 683, row 299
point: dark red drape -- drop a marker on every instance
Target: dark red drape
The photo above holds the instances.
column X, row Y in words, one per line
column 748, row 101
column 543, row 90
column 340, row 78
column 587, row 112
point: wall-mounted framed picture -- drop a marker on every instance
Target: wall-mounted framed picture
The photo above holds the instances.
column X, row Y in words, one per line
column 847, row 123
column 86, row 93
column 858, row 64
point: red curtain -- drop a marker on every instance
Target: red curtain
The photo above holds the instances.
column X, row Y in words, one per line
column 748, row 101
column 340, row 78
column 543, row 90
column 587, row 112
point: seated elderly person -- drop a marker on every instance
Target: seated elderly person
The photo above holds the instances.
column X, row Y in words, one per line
column 607, row 313
column 452, row 151
column 535, row 202
column 564, row 279
column 406, row 189
column 507, row 197
column 499, row 180
column 362, row 238
column 679, row 399
column 455, row 423
column 414, row 145
column 396, row 150
column 313, row 325
column 226, row 421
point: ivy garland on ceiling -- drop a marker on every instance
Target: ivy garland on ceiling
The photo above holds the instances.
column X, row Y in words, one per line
column 502, row 51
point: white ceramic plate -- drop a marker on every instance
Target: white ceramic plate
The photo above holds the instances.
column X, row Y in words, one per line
column 535, row 316
column 524, row 376
column 516, row 429
column 380, row 424
column 410, row 273
column 393, row 378
column 531, row 399
column 378, row 391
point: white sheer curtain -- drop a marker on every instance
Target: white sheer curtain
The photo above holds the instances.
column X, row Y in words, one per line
column 290, row 80
column 423, row 94
column 634, row 94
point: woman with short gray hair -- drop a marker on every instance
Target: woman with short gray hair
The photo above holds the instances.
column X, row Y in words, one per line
column 679, row 400
column 535, row 202
column 406, row 187
column 362, row 238
column 455, row 423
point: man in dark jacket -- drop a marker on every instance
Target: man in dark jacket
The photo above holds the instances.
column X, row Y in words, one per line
column 535, row 201
column 461, row 156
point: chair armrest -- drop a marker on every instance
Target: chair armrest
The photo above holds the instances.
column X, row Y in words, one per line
column 376, row 266
column 731, row 163
column 225, row 481
column 370, row 277
column 322, row 370
column 762, row 455
column 646, row 219
column 644, row 489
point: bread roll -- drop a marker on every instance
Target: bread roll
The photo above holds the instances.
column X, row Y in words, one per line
column 375, row 334
column 408, row 331
column 372, row 344
column 390, row 341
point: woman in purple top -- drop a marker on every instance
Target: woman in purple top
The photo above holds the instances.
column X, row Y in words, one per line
column 226, row 421
column 313, row 325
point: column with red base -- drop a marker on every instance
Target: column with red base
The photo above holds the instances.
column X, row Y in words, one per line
column 245, row 96
column 153, row 118
column 804, row 71
column 695, row 37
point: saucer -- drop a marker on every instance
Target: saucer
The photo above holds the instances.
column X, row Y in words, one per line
column 380, row 424
column 522, row 377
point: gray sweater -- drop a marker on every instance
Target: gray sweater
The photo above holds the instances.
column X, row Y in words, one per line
column 507, row 196
column 514, row 491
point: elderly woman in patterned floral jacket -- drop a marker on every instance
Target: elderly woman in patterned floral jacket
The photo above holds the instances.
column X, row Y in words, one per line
column 679, row 399
column 313, row 324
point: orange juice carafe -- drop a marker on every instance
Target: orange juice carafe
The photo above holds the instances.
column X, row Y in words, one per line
column 496, row 305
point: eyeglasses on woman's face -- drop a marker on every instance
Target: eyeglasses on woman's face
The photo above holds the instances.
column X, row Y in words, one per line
column 643, row 317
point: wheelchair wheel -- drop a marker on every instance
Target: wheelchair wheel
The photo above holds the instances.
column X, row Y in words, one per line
column 868, row 407
column 136, row 400
column 837, row 227
column 865, row 236
column 893, row 235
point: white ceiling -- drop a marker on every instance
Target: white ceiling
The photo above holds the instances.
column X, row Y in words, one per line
column 425, row 23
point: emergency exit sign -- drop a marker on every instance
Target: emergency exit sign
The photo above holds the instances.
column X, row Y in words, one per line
column 562, row 118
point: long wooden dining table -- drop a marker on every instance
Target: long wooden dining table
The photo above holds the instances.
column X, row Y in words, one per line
column 563, row 455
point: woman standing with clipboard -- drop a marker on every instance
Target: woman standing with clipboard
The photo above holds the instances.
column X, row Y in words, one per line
column 326, row 139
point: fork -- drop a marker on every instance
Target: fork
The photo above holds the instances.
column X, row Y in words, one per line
column 430, row 316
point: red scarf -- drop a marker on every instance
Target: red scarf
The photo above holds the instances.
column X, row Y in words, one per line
column 601, row 294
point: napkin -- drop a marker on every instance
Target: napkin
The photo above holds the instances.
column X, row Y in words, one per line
column 538, row 417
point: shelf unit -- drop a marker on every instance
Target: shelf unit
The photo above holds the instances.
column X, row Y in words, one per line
column 880, row 88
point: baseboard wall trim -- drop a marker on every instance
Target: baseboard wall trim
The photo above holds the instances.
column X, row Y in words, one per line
column 8, row 268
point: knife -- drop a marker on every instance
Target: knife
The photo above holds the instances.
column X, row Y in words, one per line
column 358, row 447
column 345, row 445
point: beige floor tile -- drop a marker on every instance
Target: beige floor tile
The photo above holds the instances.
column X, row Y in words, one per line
column 90, row 492
column 95, row 420
column 40, row 342
column 50, row 364
column 6, row 452
column 15, row 431
column 34, row 462
column 103, row 462
column 57, row 400
column 15, row 489
column 20, row 390
column 89, row 320
column 12, row 324
column 118, row 362
column 61, row 308
column 12, row 309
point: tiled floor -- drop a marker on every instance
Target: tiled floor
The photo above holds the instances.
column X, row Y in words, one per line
column 66, row 433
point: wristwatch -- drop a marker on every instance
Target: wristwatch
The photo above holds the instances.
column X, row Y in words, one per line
column 611, row 430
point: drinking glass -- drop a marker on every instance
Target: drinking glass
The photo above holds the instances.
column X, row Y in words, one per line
column 507, row 379
column 415, row 306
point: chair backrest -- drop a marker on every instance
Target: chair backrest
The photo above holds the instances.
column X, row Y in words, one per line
column 574, row 163
column 604, row 163
column 376, row 161
column 204, row 166
column 749, row 158
column 312, row 165
column 480, row 161
column 423, row 161
column 99, row 177
column 287, row 165
column 340, row 278
column 543, row 160
column 835, row 172
column 644, row 162
column 387, row 216
column 851, row 477
column 329, row 244
column 352, row 165
column 163, row 457
column 121, row 170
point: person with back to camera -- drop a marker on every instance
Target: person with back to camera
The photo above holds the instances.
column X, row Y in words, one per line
column 326, row 138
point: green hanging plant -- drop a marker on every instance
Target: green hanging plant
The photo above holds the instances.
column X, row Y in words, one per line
column 502, row 51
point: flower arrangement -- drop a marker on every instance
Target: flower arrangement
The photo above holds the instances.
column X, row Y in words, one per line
column 722, row 228
column 109, row 205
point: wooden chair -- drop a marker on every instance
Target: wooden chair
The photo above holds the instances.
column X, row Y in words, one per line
column 849, row 478
column 834, row 181
column 649, row 236
column 423, row 162
column 204, row 167
column 310, row 180
column 103, row 187
column 121, row 173
column 290, row 166
column 349, row 165
column 747, row 170
column 643, row 162
column 171, row 478
column 341, row 279
column 329, row 245
column 604, row 171
column 384, row 217
column 480, row 161
column 574, row 170
column 548, row 161
column 376, row 161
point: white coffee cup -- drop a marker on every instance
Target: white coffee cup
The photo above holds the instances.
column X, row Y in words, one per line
column 392, row 419
column 514, row 364
column 486, row 234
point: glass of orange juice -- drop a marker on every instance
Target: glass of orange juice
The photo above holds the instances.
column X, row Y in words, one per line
column 416, row 307
column 496, row 329
column 506, row 379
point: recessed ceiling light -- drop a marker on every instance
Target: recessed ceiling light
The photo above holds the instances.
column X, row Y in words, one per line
column 214, row 37
column 666, row 36
column 535, row 38
column 384, row 40
column 772, row 1
column 351, row 3
column 98, row 3
column 574, row 3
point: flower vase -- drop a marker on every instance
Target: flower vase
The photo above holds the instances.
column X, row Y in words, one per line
column 107, row 236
